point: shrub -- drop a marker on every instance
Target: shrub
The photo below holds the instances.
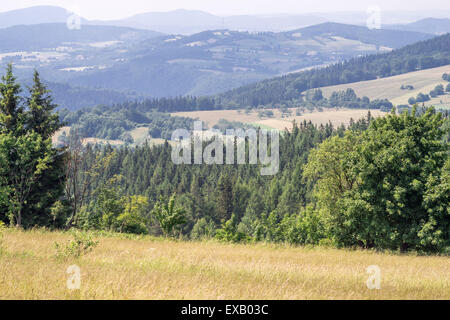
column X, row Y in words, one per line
column 203, row 229
column 81, row 244
column 229, row 232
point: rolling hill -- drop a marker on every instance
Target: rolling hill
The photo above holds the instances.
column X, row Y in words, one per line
column 390, row 88
column 148, row 63
column 418, row 56
column 427, row 25
column 57, row 37
column 215, row 61
column 34, row 15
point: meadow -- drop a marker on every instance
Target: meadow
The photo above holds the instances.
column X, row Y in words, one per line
column 335, row 116
column 389, row 88
column 132, row 267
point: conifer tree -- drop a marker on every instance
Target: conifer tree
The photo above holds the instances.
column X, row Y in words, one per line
column 41, row 116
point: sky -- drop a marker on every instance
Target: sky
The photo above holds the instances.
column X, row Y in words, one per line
column 118, row 9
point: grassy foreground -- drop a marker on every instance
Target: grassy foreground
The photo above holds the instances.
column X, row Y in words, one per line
column 150, row 268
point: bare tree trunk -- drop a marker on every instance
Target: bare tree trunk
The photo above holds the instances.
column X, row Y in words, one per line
column 19, row 218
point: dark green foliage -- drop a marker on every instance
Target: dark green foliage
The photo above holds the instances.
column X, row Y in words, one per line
column 168, row 215
column 389, row 189
column 112, row 122
column 32, row 174
column 407, row 87
column 437, row 91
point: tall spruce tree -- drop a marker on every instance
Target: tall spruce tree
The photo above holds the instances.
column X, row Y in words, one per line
column 11, row 111
column 31, row 172
column 41, row 116
column 42, row 120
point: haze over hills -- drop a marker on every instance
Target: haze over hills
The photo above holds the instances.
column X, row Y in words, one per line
column 428, row 25
column 136, row 62
column 57, row 37
column 191, row 21
column 388, row 73
column 35, row 15
column 116, row 63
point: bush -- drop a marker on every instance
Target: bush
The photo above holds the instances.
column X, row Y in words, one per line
column 422, row 97
column 203, row 229
column 229, row 232
column 81, row 244
column 303, row 228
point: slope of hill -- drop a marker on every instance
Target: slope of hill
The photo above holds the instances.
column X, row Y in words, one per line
column 428, row 25
column 53, row 36
column 34, row 15
column 379, row 37
column 215, row 61
column 124, row 59
column 419, row 56
column 390, row 88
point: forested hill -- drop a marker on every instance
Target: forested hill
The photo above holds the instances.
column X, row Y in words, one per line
column 422, row 55
column 380, row 37
column 289, row 90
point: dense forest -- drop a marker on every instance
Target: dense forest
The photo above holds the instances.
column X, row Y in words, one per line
column 380, row 183
column 113, row 122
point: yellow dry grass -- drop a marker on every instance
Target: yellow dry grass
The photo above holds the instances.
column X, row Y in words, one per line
column 335, row 116
column 151, row 268
column 389, row 88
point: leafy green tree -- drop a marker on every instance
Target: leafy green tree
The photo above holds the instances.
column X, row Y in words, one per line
column 387, row 190
column 167, row 215
column 229, row 231
column 26, row 158
column 203, row 229
column 329, row 169
column 32, row 171
column 132, row 219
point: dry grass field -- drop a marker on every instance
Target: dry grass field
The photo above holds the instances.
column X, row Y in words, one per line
column 336, row 117
column 389, row 88
column 153, row 268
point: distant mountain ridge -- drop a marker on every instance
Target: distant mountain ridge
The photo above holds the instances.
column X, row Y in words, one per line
column 382, row 37
column 428, row 25
column 193, row 21
column 117, row 60
column 52, row 35
column 35, row 15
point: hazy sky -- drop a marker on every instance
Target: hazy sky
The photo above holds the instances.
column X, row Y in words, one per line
column 115, row 9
